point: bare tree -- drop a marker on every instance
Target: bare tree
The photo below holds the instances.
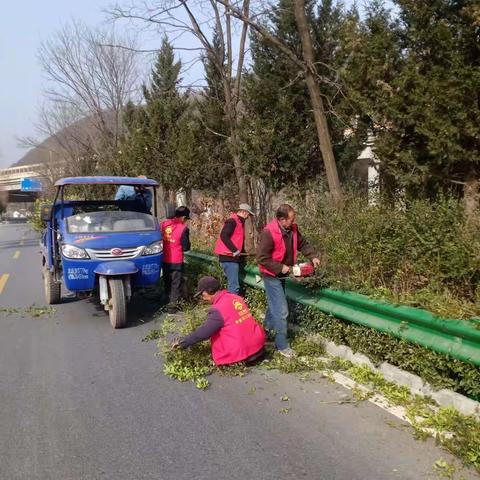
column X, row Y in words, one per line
column 221, row 15
column 181, row 17
column 62, row 144
column 89, row 83
column 306, row 64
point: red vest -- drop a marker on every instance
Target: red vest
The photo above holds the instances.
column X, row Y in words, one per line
column 241, row 336
column 279, row 249
column 237, row 238
column 172, row 230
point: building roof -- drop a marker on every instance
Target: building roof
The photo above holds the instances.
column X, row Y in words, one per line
column 106, row 181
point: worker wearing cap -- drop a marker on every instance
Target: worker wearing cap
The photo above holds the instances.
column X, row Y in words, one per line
column 279, row 244
column 230, row 246
column 176, row 241
column 234, row 333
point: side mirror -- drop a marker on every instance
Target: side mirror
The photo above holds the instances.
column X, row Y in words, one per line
column 45, row 212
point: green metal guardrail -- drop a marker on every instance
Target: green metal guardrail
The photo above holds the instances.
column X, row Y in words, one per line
column 458, row 338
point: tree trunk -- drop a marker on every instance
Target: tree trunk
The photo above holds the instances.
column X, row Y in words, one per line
column 189, row 197
column 471, row 197
column 231, row 115
column 239, row 171
column 317, row 103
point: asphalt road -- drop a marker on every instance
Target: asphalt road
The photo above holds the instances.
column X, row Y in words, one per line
column 81, row 401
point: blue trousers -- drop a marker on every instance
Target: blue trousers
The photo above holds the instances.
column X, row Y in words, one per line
column 277, row 311
column 233, row 271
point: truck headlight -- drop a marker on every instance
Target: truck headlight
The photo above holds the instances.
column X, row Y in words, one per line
column 71, row 251
column 153, row 249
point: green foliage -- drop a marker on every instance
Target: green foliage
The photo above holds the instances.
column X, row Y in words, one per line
column 414, row 76
column 194, row 363
column 257, row 302
column 38, row 312
column 210, row 127
column 279, row 132
column 411, row 77
column 33, row 311
column 444, row 469
column 423, row 254
column 465, row 441
column 184, row 365
column 437, row 369
column 460, row 434
column 196, row 270
column 165, row 77
column 150, row 146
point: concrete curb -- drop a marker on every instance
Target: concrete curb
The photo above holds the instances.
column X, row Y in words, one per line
column 444, row 397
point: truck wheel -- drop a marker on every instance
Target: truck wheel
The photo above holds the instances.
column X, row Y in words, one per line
column 118, row 303
column 52, row 288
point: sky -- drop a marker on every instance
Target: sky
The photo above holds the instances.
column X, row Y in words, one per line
column 23, row 24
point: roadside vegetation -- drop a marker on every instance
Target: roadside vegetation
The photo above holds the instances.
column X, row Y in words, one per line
column 457, row 433
column 424, row 253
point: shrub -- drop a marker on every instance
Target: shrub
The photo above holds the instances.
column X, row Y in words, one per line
column 439, row 370
column 423, row 254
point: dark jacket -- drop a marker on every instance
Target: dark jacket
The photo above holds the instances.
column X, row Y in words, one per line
column 206, row 330
column 226, row 235
column 265, row 249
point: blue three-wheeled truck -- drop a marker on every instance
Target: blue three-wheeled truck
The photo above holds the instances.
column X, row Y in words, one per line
column 109, row 247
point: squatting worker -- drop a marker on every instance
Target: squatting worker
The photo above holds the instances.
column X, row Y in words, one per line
column 235, row 335
column 277, row 251
column 230, row 246
column 176, row 241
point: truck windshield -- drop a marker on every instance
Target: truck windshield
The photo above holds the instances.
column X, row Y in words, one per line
column 110, row 221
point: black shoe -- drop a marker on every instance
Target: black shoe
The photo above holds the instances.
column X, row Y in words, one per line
column 171, row 309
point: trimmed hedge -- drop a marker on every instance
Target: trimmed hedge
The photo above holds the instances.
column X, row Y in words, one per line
column 439, row 370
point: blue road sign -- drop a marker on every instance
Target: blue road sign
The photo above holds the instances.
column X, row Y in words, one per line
column 30, row 185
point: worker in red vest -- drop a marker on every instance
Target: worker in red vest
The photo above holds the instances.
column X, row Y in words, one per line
column 176, row 241
column 235, row 335
column 230, row 246
column 277, row 251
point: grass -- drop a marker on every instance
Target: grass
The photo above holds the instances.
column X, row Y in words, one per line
column 34, row 311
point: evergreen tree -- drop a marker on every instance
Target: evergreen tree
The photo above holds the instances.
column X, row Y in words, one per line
column 333, row 27
column 135, row 149
column 416, row 79
column 151, row 143
column 165, row 105
column 165, row 77
column 280, row 132
column 438, row 128
column 211, row 129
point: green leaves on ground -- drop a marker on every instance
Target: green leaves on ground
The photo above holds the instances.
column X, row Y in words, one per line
column 33, row 311
column 194, row 364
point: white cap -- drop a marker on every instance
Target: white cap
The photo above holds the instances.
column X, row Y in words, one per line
column 246, row 207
